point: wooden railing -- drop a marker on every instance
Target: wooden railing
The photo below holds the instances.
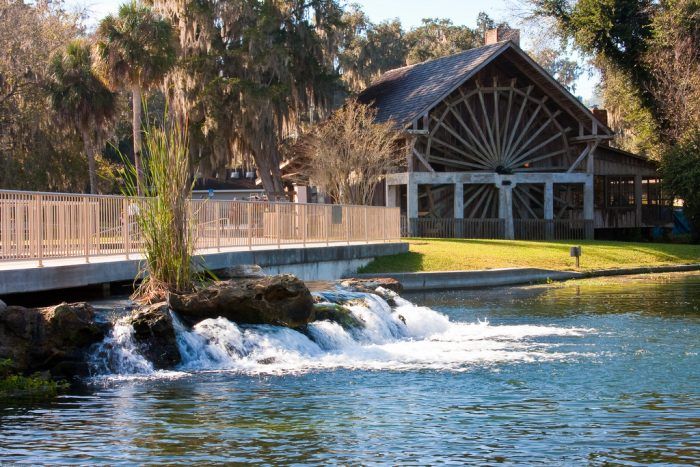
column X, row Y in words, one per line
column 38, row 226
column 541, row 229
column 453, row 228
column 524, row 229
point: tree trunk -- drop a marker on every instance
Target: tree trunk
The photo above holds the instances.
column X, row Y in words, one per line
column 270, row 175
column 136, row 124
column 92, row 171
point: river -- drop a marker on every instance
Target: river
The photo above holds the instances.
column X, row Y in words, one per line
column 603, row 371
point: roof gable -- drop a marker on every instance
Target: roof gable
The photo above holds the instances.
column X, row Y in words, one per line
column 406, row 93
column 403, row 94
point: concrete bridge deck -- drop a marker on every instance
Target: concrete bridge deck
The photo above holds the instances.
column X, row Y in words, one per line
column 308, row 262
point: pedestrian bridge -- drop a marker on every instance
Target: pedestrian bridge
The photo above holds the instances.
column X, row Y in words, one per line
column 50, row 240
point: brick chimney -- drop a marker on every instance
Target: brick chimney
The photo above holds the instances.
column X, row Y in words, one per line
column 491, row 36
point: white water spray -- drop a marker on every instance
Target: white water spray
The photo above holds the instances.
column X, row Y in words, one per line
column 405, row 337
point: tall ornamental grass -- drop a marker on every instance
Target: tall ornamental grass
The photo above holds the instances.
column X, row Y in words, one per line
column 163, row 213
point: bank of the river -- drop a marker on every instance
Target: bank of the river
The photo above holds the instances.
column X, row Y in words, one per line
column 430, row 255
column 449, row 280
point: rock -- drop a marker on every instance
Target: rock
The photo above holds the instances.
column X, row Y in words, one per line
column 155, row 335
column 337, row 314
column 3, row 306
column 370, row 285
column 281, row 300
column 53, row 338
column 241, row 271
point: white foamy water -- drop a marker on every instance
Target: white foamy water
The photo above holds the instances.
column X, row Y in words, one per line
column 406, row 337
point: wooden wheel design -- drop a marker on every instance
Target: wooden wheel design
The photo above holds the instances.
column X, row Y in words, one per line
column 499, row 128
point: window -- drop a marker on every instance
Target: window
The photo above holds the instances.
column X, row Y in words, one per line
column 620, row 191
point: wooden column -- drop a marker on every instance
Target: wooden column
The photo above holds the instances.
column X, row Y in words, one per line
column 412, row 205
column 505, row 209
column 588, row 207
column 458, row 210
column 549, row 209
column 638, row 199
column 392, row 196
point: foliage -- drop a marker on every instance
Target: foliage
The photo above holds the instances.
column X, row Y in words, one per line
column 80, row 99
column 134, row 50
column 436, row 38
column 162, row 214
column 251, row 72
column 456, row 255
column 350, row 153
column 36, row 386
column 680, row 169
column 35, row 153
column 557, row 64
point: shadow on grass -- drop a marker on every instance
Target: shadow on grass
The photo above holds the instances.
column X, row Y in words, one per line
column 403, row 262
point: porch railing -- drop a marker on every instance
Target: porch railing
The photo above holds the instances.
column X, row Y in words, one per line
column 524, row 229
column 39, row 226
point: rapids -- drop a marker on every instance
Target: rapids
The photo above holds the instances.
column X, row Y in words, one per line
column 396, row 338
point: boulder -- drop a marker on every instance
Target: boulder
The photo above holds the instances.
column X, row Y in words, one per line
column 155, row 335
column 241, row 271
column 370, row 285
column 54, row 338
column 282, row 300
column 337, row 314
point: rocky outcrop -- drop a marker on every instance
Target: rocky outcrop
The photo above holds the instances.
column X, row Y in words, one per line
column 241, row 271
column 337, row 314
column 371, row 285
column 281, row 300
column 54, row 338
column 155, row 335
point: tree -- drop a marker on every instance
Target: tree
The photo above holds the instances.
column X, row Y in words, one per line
column 81, row 99
column 134, row 50
column 436, row 38
column 251, row 73
column 680, row 169
column 349, row 154
column 35, row 153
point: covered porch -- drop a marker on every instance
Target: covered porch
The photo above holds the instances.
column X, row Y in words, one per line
column 491, row 205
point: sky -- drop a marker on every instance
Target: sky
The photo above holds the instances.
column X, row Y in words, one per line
column 410, row 12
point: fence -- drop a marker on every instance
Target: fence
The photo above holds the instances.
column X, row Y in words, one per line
column 38, row 226
column 523, row 229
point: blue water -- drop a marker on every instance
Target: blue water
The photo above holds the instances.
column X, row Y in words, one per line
column 623, row 387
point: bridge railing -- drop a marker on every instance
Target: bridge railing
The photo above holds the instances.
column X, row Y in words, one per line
column 39, row 226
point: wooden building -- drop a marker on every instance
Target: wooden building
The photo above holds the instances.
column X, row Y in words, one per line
column 500, row 149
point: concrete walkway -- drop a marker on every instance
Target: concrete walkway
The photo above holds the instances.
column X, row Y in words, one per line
column 444, row 280
column 308, row 262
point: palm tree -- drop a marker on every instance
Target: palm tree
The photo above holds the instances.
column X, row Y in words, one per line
column 80, row 99
column 134, row 51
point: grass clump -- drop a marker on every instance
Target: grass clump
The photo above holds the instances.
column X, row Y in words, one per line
column 459, row 255
column 163, row 214
column 35, row 386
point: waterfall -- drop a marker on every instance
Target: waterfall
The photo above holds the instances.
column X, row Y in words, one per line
column 396, row 336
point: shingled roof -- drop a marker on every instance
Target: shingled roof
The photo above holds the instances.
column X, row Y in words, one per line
column 404, row 93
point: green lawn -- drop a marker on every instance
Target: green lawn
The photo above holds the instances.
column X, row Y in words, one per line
column 454, row 255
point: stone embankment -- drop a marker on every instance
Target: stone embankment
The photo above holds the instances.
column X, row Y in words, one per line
column 58, row 339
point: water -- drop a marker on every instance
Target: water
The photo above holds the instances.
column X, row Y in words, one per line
column 599, row 373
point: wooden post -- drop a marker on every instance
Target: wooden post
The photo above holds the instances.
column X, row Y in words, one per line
column 505, row 209
column 347, row 222
column 588, row 208
column 328, row 217
column 217, row 224
column 459, row 210
column 638, row 199
column 412, row 206
column 302, row 223
column 549, row 210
